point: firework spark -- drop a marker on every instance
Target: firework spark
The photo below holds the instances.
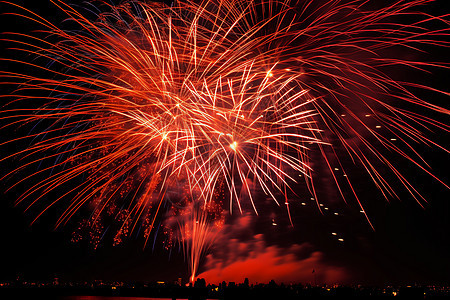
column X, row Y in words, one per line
column 143, row 100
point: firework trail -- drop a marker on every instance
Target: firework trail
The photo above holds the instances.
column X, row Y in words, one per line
column 138, row 101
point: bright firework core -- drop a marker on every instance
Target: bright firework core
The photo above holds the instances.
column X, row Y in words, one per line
column 165, row 112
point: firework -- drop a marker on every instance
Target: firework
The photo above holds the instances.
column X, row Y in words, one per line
column 143, row 101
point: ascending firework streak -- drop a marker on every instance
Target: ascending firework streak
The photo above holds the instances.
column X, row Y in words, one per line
column 143, row 100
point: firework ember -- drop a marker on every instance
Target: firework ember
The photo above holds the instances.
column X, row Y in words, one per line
column 148, row 115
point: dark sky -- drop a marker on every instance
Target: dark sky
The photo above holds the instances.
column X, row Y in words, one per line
column 410, row 244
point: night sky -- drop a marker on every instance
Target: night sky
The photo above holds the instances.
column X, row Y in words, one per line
column 410, row 244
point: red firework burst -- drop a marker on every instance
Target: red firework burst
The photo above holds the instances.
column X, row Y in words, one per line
column 144, row 100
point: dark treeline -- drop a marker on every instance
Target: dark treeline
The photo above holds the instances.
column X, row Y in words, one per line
column 202, row 291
